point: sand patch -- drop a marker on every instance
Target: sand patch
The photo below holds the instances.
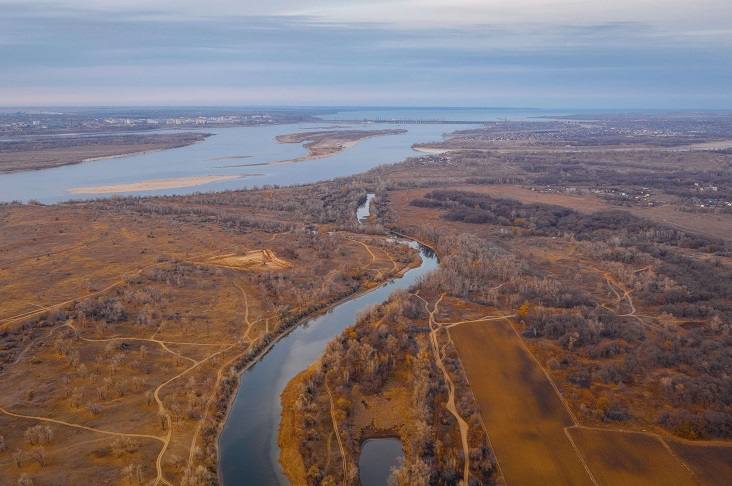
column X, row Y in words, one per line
column 430, row 150
column 262, row 259
column 153, row 184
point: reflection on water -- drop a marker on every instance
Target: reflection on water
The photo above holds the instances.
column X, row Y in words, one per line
column 248, row 451
column 378, row 457
column 230, row 151
column 364, row 210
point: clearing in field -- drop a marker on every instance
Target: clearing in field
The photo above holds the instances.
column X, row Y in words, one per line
column 524, row 416
column 256, row 259
column 538, row 441
column 629, row 458
column 709, row 462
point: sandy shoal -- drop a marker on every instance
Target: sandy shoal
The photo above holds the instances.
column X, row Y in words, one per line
column 153, row 184
column 430, row 150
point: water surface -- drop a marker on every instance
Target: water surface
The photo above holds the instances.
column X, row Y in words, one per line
column 248, row 450
column 247, row 151
column 243, row 151
column 378, row 457
column 364, row 211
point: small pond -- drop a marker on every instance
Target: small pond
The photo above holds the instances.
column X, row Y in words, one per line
column 378, row 457
column 363, row 212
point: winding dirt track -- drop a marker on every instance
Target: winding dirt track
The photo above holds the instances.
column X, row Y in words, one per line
column 337, row 434
column 368, row 249
column 79, row 426
column 435, row 327
column 156, row 395
column 220, row 375
column 7, row 321
column 161, row 407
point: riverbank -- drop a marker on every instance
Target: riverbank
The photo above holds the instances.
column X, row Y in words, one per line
column 254, row 362
column 289, row 435
column 430, row 150
column 48, row 152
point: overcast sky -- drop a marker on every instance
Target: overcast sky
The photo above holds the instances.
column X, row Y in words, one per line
column 540, row 53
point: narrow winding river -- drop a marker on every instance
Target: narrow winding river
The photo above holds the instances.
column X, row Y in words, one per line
column 248, row 450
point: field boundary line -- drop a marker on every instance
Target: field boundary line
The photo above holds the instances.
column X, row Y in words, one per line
column 480, row 414
column 580, row 456
column 337, row 434
column 577, row 452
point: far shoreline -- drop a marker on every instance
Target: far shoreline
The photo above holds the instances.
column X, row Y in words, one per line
column 34, row 158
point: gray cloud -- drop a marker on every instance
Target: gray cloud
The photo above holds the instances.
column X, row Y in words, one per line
column 135, row 52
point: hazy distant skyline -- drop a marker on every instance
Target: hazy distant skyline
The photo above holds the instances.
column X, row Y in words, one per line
column 540, row 53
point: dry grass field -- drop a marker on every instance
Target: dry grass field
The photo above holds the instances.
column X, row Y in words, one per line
column 524, row 416
column 630, row 458
column 711, row 463
column 537, row 440
column 117, row 332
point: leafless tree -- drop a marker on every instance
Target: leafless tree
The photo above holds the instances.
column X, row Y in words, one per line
column 25, row 480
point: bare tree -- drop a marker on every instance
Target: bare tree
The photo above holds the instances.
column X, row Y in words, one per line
column 25, row 480
column 39, row 434
column 39, row 455
column 133, row 474
column 18, row 457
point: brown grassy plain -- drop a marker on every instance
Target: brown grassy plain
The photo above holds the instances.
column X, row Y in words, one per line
column 632, row 458
column 523, row 415
column 117, row 329
column 711, row 463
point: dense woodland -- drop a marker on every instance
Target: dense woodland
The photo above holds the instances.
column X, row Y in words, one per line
column 388, row 347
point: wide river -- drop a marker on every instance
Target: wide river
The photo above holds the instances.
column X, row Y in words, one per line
column 224, row 154
column 229, row 149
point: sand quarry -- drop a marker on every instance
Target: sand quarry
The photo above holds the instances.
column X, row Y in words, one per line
column 253, row 260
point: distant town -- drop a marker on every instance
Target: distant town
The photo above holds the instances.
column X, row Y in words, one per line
column 47, row 122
